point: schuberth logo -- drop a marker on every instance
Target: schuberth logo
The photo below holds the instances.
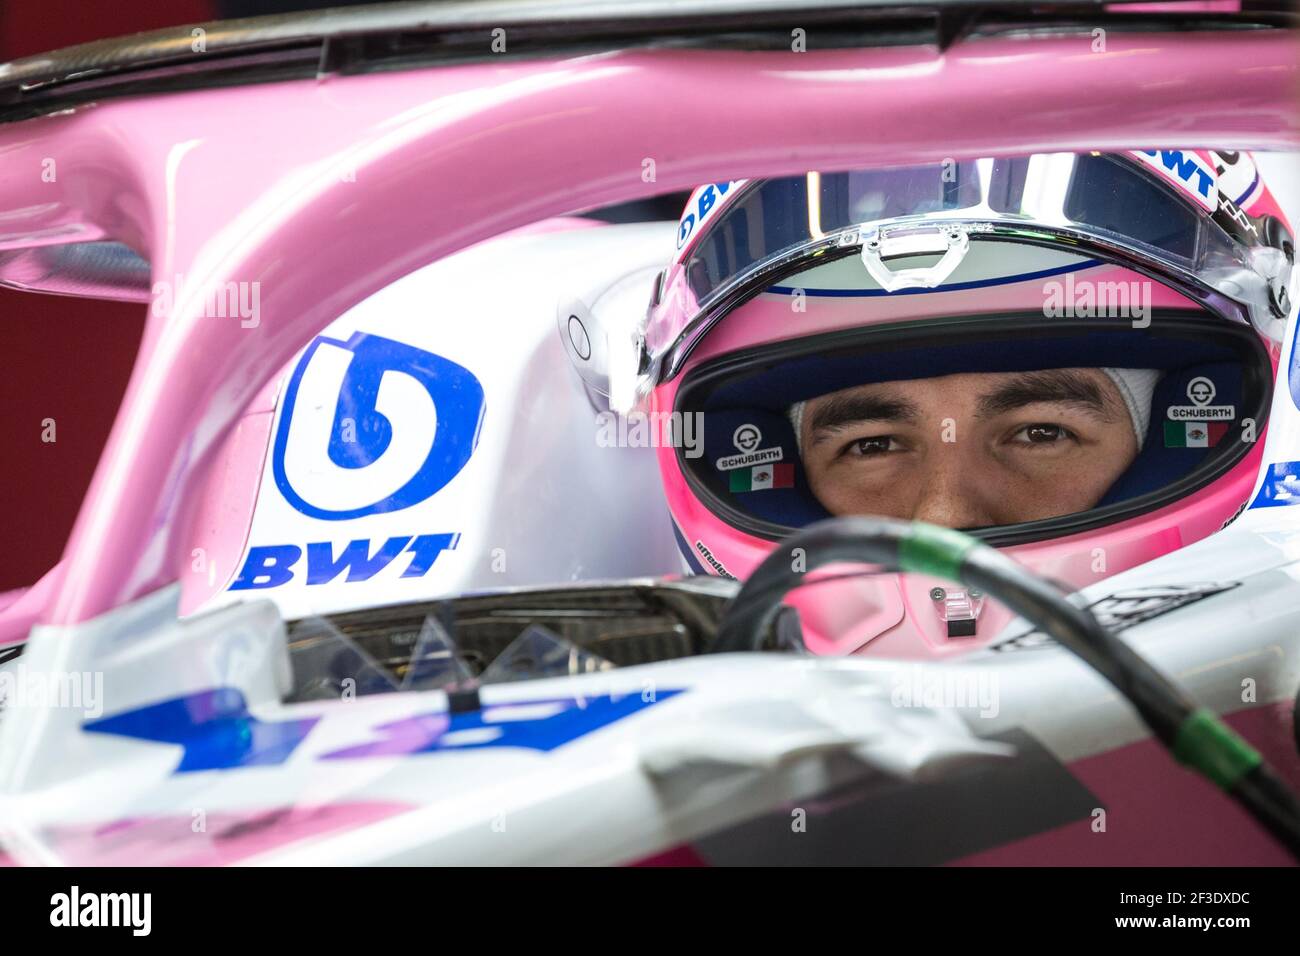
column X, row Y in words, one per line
column 747, row 438
column 1200, row 392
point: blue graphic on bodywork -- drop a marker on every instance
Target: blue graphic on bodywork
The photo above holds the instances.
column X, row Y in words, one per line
column 217, row 731
column 1281, row 486
column 360, row 435
column 505, row 725
column 214, row 727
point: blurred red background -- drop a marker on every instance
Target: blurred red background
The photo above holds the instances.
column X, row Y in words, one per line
column 69, row 359
column 66, row 359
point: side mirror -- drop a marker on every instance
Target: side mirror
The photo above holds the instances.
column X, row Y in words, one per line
column 600, row 329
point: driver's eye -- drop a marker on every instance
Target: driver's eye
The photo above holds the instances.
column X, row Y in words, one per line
column 1042, row 434
column 870, row 446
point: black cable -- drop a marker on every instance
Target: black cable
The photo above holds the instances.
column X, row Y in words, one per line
column 1194, row 735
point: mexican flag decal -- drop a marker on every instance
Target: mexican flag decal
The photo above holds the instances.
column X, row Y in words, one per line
column 762, row 477
column 1194, row 434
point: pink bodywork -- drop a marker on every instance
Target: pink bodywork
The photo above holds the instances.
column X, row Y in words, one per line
column 325, row 191
column 227, row 838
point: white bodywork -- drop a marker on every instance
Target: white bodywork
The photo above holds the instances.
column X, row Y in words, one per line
column 543, row 498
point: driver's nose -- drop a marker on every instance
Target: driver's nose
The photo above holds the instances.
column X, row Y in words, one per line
column 952, row 494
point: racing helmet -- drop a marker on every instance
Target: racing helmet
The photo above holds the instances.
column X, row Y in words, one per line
column 1163, row 273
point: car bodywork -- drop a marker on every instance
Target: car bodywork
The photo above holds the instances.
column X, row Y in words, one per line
column 331, row 194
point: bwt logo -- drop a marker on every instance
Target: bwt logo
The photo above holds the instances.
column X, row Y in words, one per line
column 700, row 209
column 1186, row 168
column 335, row 455
column 273, row 565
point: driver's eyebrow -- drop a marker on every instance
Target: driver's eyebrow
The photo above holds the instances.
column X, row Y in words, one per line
column 841, row 411
column 1061, row 385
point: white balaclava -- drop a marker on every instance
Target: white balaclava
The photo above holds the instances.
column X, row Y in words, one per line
column 1135, row 385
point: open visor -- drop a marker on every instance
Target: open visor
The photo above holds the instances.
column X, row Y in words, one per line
column 1209, row 385
column 1159, row 213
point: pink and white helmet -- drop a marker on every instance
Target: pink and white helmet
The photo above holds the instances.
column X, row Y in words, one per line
column 786, row 289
